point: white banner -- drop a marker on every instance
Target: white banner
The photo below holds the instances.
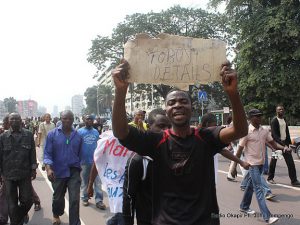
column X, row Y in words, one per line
column 110, row 158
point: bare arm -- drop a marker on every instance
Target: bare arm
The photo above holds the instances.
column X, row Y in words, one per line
column 93, row 175
column 227, row 154
column 239, row 151
column 240, row 126
column 238, row 155
column 119, row 119
column 275, row 146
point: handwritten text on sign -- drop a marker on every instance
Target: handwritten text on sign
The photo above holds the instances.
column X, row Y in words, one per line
column 174, row 59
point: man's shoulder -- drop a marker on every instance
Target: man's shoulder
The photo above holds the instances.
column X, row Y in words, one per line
column 53, row 131
column 274, row 119
column 136, row 158
column 26, row 132
column 81, row 130
column 94, row 130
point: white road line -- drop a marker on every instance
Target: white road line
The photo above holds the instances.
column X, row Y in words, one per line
column 277, row 184
column 50, row 185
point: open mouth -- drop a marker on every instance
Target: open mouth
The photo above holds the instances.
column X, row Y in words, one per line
column 178, row 115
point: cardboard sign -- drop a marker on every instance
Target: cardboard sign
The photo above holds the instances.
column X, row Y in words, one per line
column 174, row 60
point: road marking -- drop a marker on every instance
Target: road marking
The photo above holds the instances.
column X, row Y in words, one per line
column 44, row 174
column 277, row 184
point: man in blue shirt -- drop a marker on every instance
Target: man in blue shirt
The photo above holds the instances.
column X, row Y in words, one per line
column 62, row 159
column 90, row 136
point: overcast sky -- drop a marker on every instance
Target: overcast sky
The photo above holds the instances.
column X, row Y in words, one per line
column 44, row 44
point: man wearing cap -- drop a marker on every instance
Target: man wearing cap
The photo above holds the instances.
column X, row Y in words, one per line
column 280, row 133
column 254, row 151
column 90, row 137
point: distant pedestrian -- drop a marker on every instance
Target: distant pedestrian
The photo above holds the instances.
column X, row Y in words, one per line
column 90, row 137
column 3, row 201
column 281, row 134
column 18, row 167
column 43, row 131
column 62, row 160
column 138, row 121
column 98, row 125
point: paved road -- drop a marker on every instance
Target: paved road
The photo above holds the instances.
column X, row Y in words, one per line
column 286, row 203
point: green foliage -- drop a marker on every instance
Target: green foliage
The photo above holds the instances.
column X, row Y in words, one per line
column 91, row 100
column 10, row 104
column 104, row 99
column 215, row 93
column 268, row 46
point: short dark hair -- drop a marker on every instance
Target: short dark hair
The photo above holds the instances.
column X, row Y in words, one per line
column 177, row 89
column 6, row 118
column 207, row 119
column 154, row 113
column 65, row 112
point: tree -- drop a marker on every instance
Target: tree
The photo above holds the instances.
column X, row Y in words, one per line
column 106, row 52
column 268, row 46
column 217, row 98
column 10, row 104
column 105, row 98
column 91, row 100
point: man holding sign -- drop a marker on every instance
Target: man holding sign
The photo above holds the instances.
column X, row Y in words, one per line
column 184, row 188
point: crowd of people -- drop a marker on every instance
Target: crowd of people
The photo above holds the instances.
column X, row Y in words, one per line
column 156, row 169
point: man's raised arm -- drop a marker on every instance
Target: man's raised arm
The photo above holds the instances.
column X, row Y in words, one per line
column 240, row 126
column 119, row 119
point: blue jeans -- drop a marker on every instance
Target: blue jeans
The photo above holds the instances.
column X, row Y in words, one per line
column 266, row 187
column 85, row 174
column 60, row 186
column 254, row 183
column 266, row 164
column 116, row 219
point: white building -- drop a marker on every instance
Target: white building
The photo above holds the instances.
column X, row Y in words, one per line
column 77, row 105
column 55, row 111
column 3, row 110
column 141, row 102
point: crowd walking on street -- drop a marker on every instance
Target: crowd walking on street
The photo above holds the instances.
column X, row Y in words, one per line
column 155, row 168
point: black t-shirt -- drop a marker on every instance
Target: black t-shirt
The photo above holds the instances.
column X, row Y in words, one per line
column 183, row 174
column 137, row 190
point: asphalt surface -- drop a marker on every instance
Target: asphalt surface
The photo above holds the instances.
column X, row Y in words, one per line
column 286, row 204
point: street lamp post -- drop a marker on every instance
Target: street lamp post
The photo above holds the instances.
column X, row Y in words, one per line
column 97, row 97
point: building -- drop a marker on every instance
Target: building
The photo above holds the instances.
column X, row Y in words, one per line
column 106, row 79
column 55, row 111
column 3, row 110
column 77, row 105
column 67, row 107
column 42, row 110
column 141, row 101
column 28, row 108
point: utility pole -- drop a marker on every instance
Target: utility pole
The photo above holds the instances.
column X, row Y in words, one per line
column 97, row 97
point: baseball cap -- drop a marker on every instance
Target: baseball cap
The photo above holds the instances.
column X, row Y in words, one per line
column 254, row 112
